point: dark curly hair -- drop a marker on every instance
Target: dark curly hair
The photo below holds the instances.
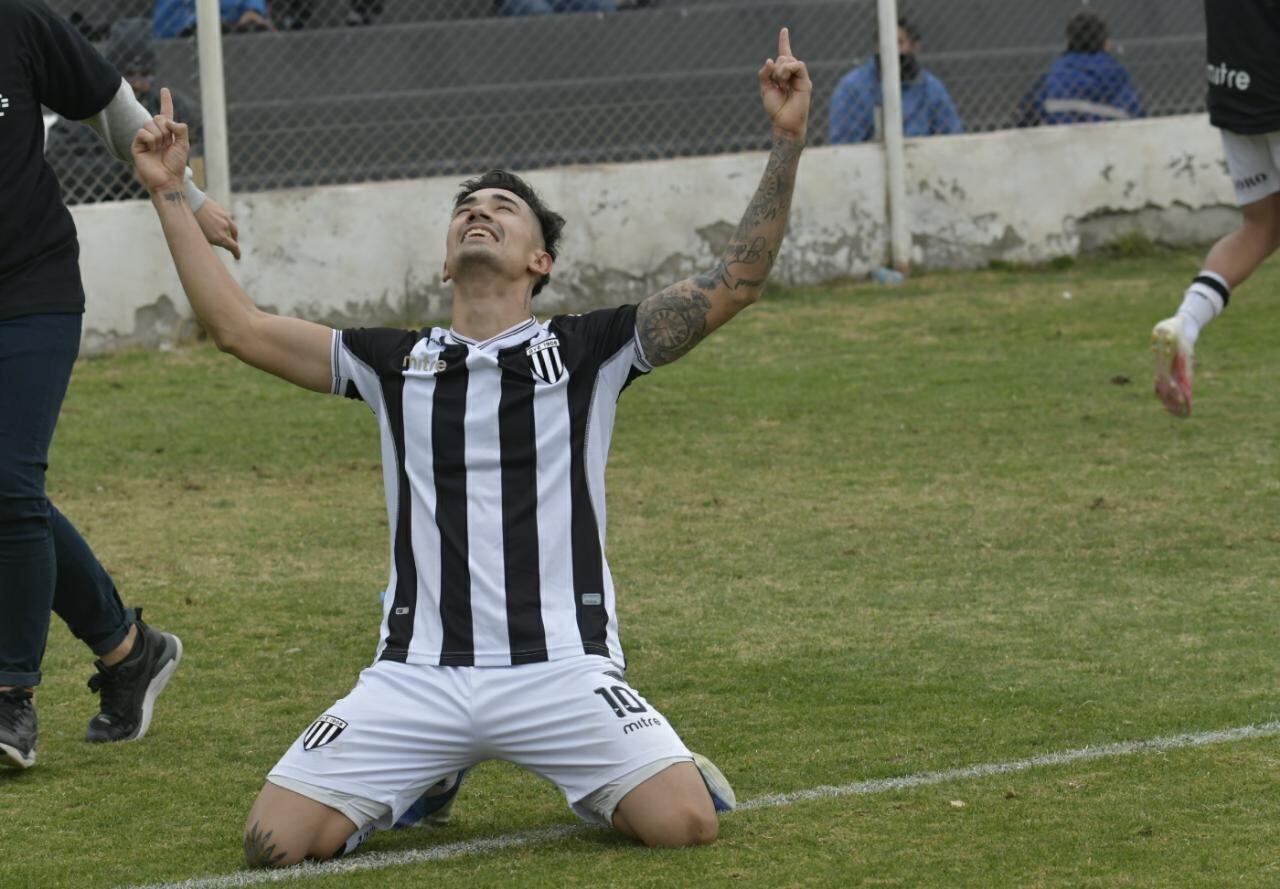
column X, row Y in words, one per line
column 551, row 222
column 909, row 25
column 1087, row 32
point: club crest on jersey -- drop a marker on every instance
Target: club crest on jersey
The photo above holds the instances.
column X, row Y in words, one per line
column 324, row 730
column 544, row 360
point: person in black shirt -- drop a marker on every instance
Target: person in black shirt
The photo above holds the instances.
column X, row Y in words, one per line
column 1244, row 103
column 45, row 565
column 499, row 631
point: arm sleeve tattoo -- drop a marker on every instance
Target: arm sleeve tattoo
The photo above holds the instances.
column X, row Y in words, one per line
column 674, row 320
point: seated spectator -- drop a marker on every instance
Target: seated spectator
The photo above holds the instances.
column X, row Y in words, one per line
column 129, row 49
column 545, row 7
column 177, row 18
column 1085, row 84
column 927, row 109
column 89, row 25
column 85, row 167
column 294, row 15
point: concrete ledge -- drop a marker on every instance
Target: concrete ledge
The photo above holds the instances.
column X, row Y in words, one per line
column 372, row 254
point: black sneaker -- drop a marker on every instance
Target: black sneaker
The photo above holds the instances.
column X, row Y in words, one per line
column 130, row 688
column 17, row 728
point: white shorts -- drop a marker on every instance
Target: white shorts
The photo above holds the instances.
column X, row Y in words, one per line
column 574, row 721
column 1254, row 164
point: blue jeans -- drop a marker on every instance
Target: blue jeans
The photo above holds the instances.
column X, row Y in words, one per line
column 45, row 565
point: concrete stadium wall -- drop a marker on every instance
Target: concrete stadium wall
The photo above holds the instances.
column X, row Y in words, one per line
column 372, row 254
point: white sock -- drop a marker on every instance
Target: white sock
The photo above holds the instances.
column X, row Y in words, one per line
column 1205, row 299
column 356, row 840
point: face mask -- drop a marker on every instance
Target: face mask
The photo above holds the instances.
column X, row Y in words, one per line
column 910, row 66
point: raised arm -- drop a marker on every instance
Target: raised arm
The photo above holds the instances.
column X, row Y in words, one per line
column 117, row 124
column 290, row 348
column 674, row 320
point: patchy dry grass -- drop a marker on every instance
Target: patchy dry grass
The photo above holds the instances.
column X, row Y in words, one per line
column 862, row 532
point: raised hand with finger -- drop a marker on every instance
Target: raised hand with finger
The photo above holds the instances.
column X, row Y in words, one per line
column 786, row 90
column 160, row 151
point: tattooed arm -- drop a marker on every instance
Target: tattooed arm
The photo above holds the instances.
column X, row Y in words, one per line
column 674, row 320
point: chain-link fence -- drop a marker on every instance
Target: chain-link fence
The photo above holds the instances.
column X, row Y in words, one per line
column 336, row 91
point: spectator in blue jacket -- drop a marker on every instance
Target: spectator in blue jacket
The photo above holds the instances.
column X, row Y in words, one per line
column 1085, row 84
column 87, row 169
column 927, row 109
column 177, row 18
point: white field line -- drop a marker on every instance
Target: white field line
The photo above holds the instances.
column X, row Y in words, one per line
column 372, row 861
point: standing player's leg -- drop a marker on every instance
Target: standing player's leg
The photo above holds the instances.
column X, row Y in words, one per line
column 135, row 661
column 1254, row 164
column 36, row 356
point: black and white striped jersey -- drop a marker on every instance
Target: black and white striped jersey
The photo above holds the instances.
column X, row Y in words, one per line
column 493, row 458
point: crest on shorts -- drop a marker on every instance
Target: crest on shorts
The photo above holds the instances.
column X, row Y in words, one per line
column 544, row 360
column 323, row 731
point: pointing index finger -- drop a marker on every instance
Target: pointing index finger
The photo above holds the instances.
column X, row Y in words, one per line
column 784, row 42
column 166, row 102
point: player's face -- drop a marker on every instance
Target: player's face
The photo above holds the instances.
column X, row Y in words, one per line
column 493, row 228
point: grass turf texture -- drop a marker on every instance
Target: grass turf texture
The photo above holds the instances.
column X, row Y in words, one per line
column 861, row 532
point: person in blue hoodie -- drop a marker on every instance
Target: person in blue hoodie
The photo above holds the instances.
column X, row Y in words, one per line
column 177, row 18
column 927, row 109
column 1085, row 84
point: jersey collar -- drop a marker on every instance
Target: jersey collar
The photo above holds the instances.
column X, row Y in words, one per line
column 506, row 338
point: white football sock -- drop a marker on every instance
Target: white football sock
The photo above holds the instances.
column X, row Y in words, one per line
column 1204, row 300
column 356, row 840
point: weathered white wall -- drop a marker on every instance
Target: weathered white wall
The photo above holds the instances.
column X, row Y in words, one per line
column 371, row 254
column 1029, row 195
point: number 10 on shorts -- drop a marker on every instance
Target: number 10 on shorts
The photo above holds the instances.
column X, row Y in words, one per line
column 621, row 700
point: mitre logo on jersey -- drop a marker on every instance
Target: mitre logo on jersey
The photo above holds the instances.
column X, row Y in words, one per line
column 1221, row 75
column 544, row 360
column 323, row 731
column 424, row 364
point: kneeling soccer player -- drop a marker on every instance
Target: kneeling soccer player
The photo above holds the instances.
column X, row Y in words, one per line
column 499, row 637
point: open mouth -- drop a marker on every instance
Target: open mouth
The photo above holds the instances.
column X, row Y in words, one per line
column 479, row 233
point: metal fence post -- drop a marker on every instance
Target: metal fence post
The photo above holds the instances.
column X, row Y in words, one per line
column 895, row 163
column 213, row 100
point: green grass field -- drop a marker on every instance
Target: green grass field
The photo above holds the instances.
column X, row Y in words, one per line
column 860, row 533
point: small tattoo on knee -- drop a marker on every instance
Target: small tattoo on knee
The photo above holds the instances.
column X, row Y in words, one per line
column 259, row 851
